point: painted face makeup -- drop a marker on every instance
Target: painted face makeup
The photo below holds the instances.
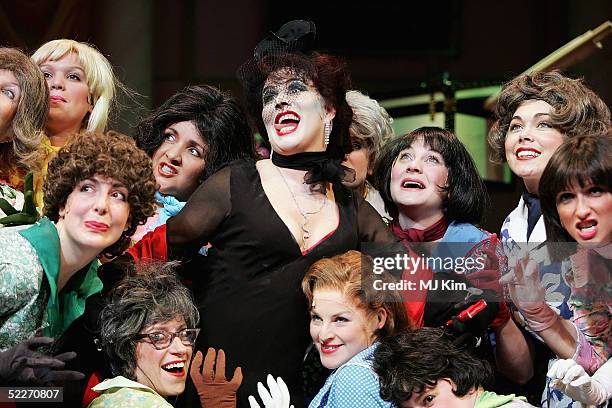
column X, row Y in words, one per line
column 68, row 92
column 10, row 92
column 531, row 141
column 294, row 113
column 95, row 215
column 339, row 329
column 417, row 177
column 440, row 396
column 165, row 371
column 358, row 160
column 584, row 212
column 179, row 162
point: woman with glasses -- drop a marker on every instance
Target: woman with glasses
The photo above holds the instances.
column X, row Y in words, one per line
column 147, row 334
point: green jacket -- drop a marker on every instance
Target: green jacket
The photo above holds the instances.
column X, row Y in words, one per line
column 29, row 267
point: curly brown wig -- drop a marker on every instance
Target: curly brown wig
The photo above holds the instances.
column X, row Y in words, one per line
column 109, row 154
column 576, row 109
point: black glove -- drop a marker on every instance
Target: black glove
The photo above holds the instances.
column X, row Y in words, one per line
column 442, row 307
column 28, row 215
column 23, row 365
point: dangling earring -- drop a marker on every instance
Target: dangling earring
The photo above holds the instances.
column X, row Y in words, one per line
column 327, row 131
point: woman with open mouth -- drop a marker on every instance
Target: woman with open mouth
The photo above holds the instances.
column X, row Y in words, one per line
column 93, row 203
column 189, row 137
column 535, row 114
column 148, row 331
column 192, row 134
column 431, row 188
column 576, row 202
column 268, row 221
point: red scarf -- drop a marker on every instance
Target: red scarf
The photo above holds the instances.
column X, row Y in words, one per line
column 432, row 233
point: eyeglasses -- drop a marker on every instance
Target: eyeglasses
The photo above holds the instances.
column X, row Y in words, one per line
column 162, row 339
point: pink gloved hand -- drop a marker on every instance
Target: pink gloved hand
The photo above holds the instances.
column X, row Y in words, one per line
column 527, row 293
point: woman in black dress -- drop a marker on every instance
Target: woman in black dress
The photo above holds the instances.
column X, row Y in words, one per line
column 268, row 221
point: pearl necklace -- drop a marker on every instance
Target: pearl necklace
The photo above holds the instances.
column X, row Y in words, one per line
column 305, row 214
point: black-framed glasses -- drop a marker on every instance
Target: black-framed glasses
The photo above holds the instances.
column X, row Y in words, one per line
column 162, row 339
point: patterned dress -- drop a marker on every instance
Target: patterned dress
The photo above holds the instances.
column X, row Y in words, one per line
column 558, row 293
column 353, row 384
column 121, row 392
column 29, row 300
column 14, row 197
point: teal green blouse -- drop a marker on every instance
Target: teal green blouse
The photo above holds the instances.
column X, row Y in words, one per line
column 29, row 300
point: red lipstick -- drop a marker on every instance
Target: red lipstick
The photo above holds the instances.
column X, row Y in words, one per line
column 166, row 170
column 329, row 348
column 534, row 153
column 284, row 129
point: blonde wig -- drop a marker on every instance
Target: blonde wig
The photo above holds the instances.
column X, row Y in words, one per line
column 100, row 77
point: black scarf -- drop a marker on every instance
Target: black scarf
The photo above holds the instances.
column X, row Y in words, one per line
column 320, row 168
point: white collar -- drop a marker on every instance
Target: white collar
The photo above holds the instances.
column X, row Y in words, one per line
column 120, row 382
column 517, row 226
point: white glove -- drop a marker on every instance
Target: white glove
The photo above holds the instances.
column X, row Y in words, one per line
column 571, row 379
column 278, row 397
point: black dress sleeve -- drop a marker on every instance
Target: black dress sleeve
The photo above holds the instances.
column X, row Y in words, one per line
column 206, row 209
column 371, row 226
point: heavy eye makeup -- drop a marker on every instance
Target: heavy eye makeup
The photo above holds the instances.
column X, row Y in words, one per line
column 292, row 85
column 268, row 94
column 296, row 85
